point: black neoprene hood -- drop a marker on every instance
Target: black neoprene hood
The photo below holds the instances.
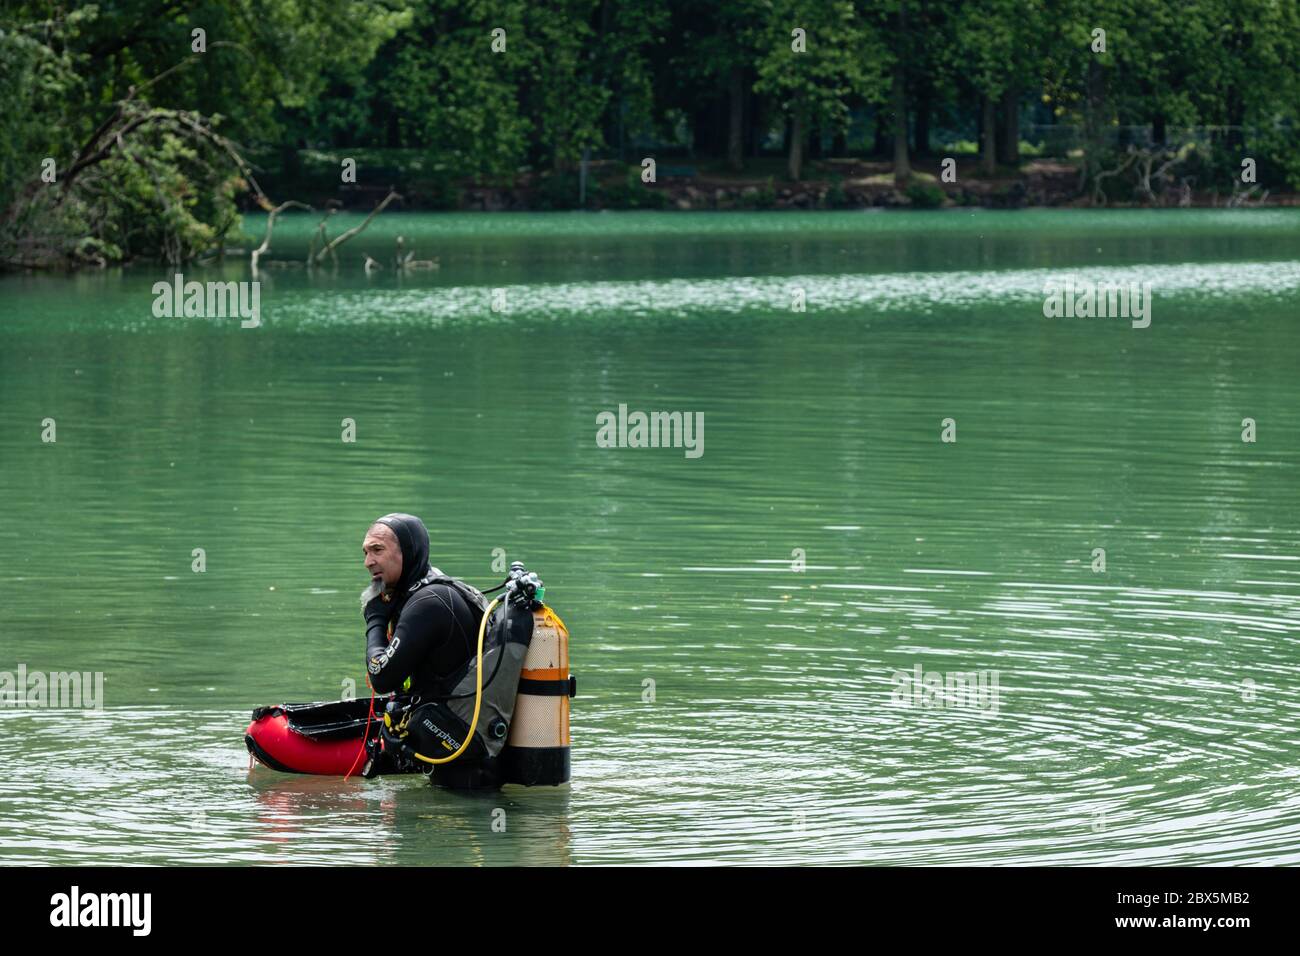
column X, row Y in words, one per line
column 413, row 538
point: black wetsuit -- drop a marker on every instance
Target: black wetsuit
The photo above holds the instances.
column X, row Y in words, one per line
column 435, row 627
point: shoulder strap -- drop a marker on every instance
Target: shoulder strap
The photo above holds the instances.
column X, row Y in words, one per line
column 472, row 595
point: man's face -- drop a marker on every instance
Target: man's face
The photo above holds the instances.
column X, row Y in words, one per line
column 383, row 555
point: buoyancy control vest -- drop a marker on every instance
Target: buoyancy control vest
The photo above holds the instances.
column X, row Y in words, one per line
column 459, row 736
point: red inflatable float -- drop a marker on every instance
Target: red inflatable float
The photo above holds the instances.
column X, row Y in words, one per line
column 323, row 738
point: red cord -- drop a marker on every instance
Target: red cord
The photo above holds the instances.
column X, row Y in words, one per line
column 366, row 735
column 369, row 716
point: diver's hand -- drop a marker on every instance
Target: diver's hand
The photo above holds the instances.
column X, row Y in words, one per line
column 377, row 609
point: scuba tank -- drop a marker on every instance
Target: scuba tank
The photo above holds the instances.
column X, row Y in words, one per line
column 537, row 750
column 459, row 738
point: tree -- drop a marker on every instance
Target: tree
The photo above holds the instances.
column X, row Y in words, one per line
column 717, row 58
column 999, row 42
column 814, row 75
column 140, row 166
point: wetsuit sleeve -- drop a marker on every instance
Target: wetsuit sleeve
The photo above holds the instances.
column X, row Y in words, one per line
column 422, row 626
column 376, row 636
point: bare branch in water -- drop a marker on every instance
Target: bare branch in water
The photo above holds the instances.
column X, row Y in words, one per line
column 270, row 226
column 344, row 237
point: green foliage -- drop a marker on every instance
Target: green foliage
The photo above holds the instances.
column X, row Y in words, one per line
column 159, row 199
column 156, row 193
column 841, row 62
column 458, row 98
column 761, row 198
column 557, row 191
column 998, row 43
column 632, row 193
column 34, row 70
column 968, row 147
column 836, row 197
column 925, row 195
column 439, row 188
column 297, row 80
column 1278, row 149
column 565, row 69
column 264, row 58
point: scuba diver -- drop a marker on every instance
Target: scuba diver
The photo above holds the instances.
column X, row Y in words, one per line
column 425, row 646
column 451, row 695
column 420, row 623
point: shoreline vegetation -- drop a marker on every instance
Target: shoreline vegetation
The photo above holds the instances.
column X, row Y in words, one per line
column 139, row 131
column 846, row 182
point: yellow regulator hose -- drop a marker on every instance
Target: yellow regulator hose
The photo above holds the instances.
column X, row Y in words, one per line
column 478, row 693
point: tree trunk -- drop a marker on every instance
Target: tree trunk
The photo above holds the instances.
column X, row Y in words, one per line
column 1236, row 119
column 1009, row 128
column 702, row 128
column 988, row 130
column 736, row 125
column 1093, row 120
column 796, row 144
column 622, row 132
column 898, row 101
column 878, row 145
column 1159, row 134
column 921, row 132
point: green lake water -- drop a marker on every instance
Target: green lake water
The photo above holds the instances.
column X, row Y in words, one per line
column 740, row 620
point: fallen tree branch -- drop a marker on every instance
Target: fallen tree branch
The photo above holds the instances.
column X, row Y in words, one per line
column 134, row 116
column 270, row 226
column 1146, row 158
column 1098, row 196
column 320, row 235
column 1241, row 197
column 355, row 230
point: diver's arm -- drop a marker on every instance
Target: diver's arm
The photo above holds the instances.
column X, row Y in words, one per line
column 376, row 613
column 424, row 623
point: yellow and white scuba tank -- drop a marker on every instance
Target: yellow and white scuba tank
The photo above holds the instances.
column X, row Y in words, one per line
column 538, row 748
